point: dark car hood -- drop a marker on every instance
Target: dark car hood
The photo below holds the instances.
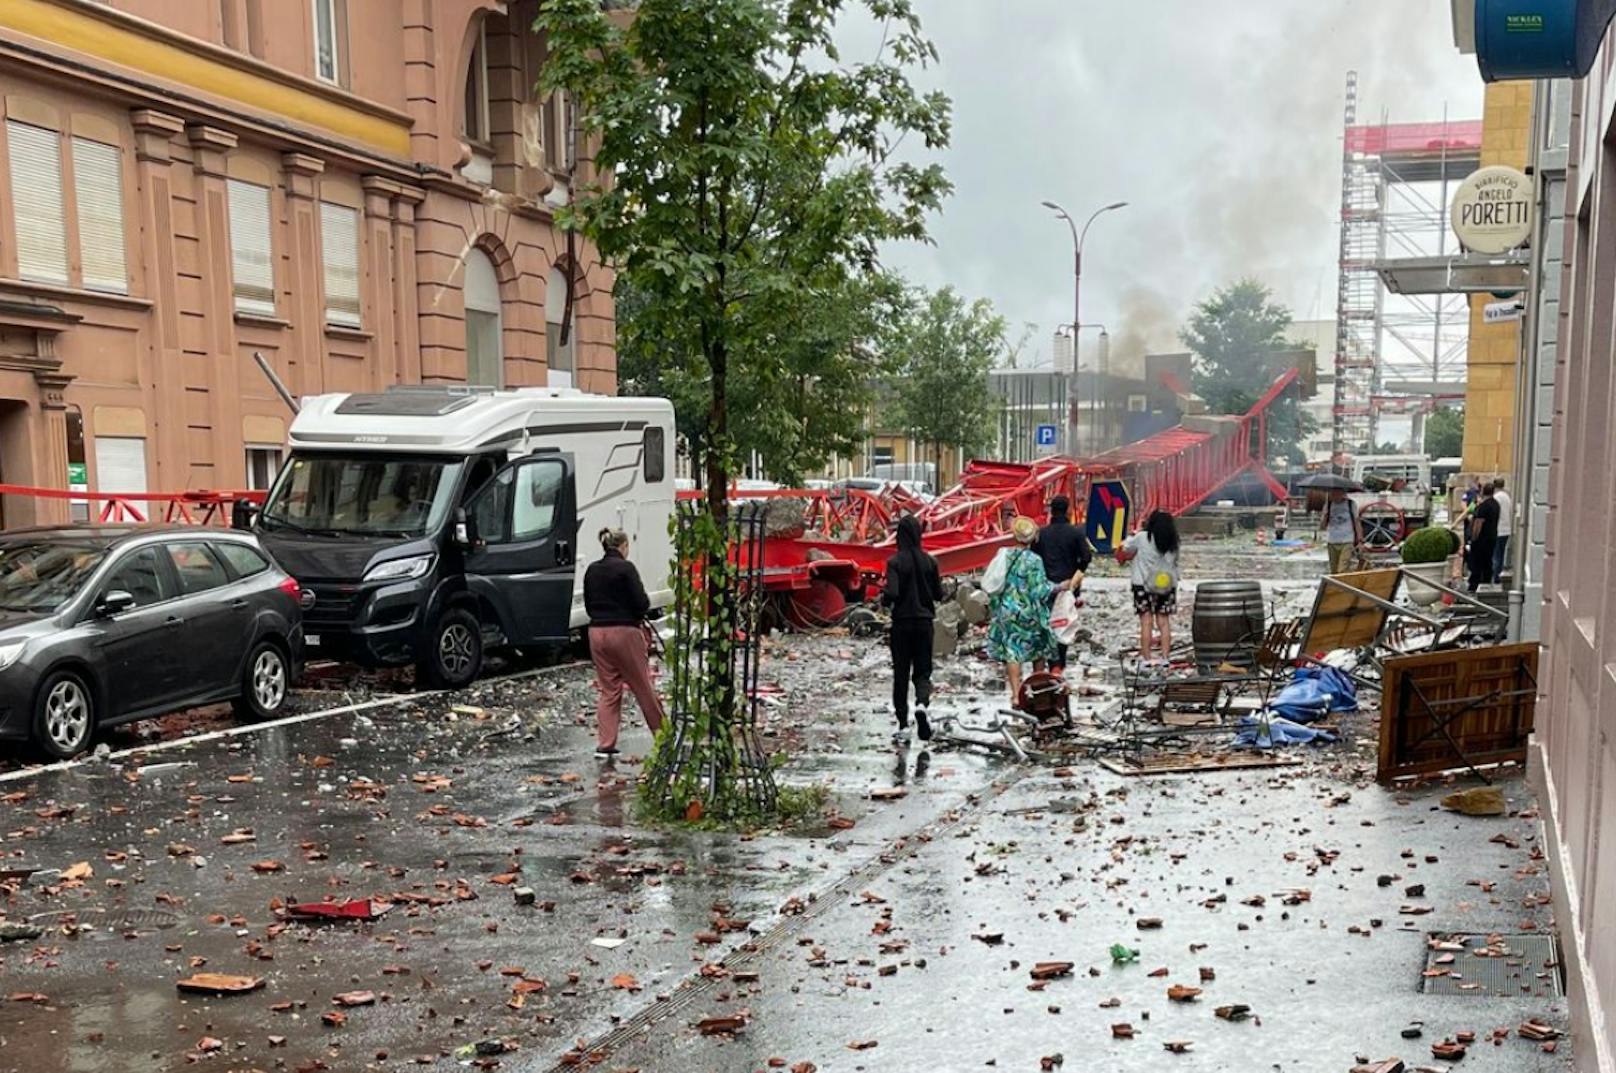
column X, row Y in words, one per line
column 10, row 620
column 341, row 558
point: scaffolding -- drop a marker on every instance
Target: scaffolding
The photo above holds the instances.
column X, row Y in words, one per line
column 1395, row 353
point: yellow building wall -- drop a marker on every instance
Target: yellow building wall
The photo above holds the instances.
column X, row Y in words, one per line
column 1489, row 432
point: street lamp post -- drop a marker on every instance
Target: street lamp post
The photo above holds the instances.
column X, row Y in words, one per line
column 1078, row 238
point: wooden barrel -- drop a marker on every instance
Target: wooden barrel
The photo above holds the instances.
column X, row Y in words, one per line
column 1228, row 624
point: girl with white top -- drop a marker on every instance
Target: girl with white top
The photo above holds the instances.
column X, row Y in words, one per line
column 1153, row 553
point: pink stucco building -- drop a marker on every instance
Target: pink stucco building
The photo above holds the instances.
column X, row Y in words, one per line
column 361, row 190
column 1575, row 748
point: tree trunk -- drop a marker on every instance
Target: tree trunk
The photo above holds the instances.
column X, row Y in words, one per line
column 720, row 600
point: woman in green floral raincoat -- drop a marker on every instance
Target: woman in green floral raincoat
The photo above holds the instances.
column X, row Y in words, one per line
column 1019, row 632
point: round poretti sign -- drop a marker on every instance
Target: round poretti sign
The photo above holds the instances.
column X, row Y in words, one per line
column 1492, row 210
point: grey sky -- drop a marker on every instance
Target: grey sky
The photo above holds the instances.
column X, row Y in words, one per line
column 1220, row 123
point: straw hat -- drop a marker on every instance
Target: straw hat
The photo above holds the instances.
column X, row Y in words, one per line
column 1024, row 529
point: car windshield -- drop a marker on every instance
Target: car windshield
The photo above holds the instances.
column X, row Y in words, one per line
column 366, row 495
column 42, row 576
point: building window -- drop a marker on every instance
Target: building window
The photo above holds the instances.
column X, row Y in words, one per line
column 327, row 53
column 559, row 121
column 339, row 238
column 251, row 255
column 36, row 194
column 558, row 353
column 485, row 353
column 120, row 464
column 262, row 465
column 98, row 185
column 475, row 121
column 881, row 455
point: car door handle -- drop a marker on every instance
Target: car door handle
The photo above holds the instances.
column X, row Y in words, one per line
column 173, row 622
column 238, row 605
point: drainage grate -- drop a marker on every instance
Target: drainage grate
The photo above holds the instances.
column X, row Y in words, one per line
column 1492, row 966
column 100, row 918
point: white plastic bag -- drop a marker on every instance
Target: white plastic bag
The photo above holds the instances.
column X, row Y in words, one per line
column 997, row 573
column 1063, row 617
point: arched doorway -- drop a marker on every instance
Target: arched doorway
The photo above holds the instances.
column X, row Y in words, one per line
column 485, row 353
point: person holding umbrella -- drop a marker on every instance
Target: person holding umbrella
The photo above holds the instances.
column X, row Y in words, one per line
column 1342, row 530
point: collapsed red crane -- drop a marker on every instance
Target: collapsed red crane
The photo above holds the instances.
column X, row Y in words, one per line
column 847, row 536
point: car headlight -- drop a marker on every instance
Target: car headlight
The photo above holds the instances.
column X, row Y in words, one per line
column 9, row 653
column 401, row 569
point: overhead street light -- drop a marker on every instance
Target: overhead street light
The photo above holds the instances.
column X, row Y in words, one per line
column 1078, row 238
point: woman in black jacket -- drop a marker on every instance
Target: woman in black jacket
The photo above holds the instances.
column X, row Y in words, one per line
column 913, row 588
column 617, row 605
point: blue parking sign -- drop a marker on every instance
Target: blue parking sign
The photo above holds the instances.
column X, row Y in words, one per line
column 1048, row 435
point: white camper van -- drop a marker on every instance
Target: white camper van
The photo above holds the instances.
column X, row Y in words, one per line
column 425, row 523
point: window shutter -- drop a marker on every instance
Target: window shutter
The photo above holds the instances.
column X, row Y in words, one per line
column 251, row 248
column 36, row 193
column 339, row 233
column 98, row 182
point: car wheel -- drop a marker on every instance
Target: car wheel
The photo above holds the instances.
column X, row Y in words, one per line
column 265, row 682
column 455, row 656
column 64, row 716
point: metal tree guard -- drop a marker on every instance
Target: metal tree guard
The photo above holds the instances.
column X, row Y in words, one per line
column 713, row 753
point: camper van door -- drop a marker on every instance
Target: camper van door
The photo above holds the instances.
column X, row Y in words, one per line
column 525, row 552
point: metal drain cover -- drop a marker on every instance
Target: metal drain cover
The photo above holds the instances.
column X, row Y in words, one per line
column 115, row 921
column 1492, row 965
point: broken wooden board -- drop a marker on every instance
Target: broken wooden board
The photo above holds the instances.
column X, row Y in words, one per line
column 1183, row 762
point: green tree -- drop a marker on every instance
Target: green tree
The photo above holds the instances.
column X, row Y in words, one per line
column 942, row 352
column 1444, row 433
column 750, row 168
column 805, row 392
column 1234, row 335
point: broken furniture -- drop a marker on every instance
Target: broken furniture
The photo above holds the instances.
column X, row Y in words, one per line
column 1467, row 708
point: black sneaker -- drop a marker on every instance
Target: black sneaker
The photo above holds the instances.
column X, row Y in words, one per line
column 923, row 723
column 606, row 752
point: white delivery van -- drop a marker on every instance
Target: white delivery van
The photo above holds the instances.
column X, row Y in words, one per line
column 426, row 524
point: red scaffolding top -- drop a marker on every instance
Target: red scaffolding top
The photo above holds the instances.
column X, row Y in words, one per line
column 1390, row 139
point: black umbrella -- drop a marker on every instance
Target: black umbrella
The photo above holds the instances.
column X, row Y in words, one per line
column 1330, row 482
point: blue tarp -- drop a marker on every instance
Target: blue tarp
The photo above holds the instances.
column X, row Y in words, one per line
column 1343, row 691
column 1303, row 701
column 1266, row 732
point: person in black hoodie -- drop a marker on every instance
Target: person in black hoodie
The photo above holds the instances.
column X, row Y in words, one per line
column 913, row 588
column 1066, row 553
column 615, row 600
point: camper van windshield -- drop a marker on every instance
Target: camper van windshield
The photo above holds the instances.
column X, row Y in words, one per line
column 363, row 495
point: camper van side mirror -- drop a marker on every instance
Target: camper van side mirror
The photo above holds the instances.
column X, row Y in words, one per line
column 465, row 529
column 244, row 515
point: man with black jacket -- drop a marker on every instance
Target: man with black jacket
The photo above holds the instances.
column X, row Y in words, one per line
column 1065, row 550
column 914, row 585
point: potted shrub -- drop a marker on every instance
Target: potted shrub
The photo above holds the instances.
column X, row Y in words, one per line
column 1425, row 552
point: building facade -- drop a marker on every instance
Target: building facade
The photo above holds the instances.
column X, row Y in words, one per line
column 360, row 191
column 1575, row 743
column 1540, row 339
column 1494, row 353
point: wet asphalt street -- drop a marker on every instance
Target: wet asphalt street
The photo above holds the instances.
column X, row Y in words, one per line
column 902, row 942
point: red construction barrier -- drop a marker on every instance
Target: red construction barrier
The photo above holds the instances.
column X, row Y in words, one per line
column 126, row 508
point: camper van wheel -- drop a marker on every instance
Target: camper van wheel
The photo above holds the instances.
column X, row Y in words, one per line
column 455, row 656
